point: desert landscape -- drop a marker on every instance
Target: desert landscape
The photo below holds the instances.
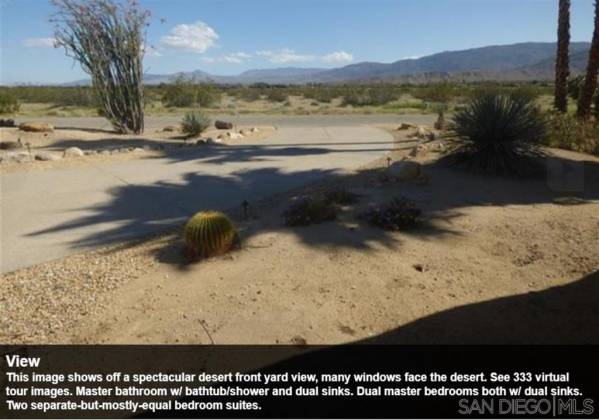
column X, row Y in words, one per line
column 433, row 200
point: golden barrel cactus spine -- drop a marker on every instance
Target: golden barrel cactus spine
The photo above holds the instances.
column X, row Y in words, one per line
column 209, row 233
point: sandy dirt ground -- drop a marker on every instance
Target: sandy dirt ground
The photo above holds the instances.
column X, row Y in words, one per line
column 495, row 261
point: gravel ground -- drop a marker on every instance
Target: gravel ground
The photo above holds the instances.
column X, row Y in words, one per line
column 41, row 304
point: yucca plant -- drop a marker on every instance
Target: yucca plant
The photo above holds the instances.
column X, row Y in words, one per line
column 498, row 133
column 194, row 123
column 209, row 233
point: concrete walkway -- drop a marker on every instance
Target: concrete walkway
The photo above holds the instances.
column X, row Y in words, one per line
column 50, row 214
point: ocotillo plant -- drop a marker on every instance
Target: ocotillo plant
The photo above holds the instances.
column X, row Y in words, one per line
column 107, row 39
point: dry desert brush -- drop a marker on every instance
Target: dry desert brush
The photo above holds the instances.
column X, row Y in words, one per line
column 310, row 210
column 340, row 196
column 107, row 38
column 498, row 133
column 194, row 123
column 398, row 214
column 209, row 233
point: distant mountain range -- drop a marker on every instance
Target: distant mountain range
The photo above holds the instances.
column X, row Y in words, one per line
column 517, row 62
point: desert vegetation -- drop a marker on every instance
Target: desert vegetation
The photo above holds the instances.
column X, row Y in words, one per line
column 194, row 123
column 183, row 94
column 208, row 234
column 107, row 39
column 499, row 134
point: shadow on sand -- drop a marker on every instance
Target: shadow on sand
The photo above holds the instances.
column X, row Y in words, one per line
column 137, row 210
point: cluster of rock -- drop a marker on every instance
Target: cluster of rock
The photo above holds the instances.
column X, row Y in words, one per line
column 18, row 155
column 423, row 148
column 428, row 140
column 233, row 135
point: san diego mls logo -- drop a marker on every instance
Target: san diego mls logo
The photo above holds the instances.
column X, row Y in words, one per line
column 527, row 406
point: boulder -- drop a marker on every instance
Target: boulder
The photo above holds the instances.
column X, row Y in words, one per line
column 406, row 126
column 223, row 125
column 419, row 150
column 36, row 127
column 10, row 145
column 138, row 150
column 405, row 170
column 47, row 156
column 7, row 123
column 422, row 132
column 254, row 130
column 234, row 136
column 439, row 147
column 73, row 152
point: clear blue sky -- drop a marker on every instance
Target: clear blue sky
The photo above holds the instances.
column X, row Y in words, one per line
column 230, row 36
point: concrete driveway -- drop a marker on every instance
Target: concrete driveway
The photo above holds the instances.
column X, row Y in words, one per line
column 50, row 214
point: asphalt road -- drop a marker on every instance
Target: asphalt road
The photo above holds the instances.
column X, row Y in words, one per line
column 53, row 213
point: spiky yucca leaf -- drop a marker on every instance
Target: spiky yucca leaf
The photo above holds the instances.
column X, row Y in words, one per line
column 499, row 133
column 194, row 123
column 209, row 233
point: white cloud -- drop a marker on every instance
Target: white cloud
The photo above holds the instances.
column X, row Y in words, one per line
column 338, row 57
column 288, row 55
column 196, row 37
column 39, row 43
column 237, row 57
column 285, row 55
column 231, row 58
column 412, row 57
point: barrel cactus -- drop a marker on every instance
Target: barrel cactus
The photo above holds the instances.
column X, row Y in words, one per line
column 209, row 233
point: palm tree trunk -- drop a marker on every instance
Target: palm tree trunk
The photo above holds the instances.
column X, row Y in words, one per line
column 562, row 70
column 590, row 83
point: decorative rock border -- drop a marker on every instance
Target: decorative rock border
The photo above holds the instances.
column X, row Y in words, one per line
column 24, row 156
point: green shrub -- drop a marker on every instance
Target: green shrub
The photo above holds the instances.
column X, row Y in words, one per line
column 372, row 96
column 574, row 86
column 206, row 96
column 564, row 130
column 310, row 210
column 398, row 214
column 276, row 95
column 437, row 92
column 567, row 132
column 320, row 94
column 179, row 94
column 209, row 233
column 248, row 94
column 194, row 123
column 340, row 196
column 8, row 103
column 498, row 134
